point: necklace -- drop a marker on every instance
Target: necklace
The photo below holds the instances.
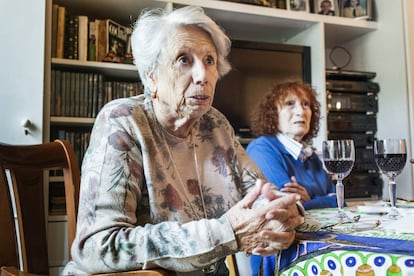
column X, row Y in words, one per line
column 212, row 268
column 183, row 188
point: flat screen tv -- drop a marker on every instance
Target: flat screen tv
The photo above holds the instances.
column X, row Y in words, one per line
column 255, row 67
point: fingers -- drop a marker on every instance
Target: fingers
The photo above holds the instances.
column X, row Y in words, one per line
column 294, row 187
column 273, row 242
column 252, row 195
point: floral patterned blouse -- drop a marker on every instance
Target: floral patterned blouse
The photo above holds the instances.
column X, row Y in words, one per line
column 151, row 199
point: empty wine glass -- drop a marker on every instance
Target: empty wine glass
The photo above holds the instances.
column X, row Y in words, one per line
column 338, row 157
column 390, row 156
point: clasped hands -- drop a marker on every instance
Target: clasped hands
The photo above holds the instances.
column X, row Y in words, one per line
column 264, row 229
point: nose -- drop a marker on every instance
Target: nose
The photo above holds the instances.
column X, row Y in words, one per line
column 199, row 73
column 298, row 109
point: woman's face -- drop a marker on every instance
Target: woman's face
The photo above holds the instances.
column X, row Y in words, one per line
column 186, row 77
column 294, row 117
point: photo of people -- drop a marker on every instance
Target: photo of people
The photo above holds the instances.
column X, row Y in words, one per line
column 298, row 5
column 326, row 7
column 354, row 8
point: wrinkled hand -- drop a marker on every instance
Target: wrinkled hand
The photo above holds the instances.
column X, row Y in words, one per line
column 295, row 187
column 267, row 228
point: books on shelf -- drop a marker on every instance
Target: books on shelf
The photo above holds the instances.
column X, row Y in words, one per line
column 83, row 38
column 112, row 41
column 83, row 94
column 57, row 202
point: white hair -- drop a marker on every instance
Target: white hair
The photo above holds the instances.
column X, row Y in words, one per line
column 151, row 31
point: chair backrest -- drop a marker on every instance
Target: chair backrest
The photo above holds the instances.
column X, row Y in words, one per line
column 27, row 166
column 22, row 169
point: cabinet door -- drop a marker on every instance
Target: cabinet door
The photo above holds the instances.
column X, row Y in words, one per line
column 22, row 70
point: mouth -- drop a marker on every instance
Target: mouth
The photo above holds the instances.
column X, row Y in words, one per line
column 200, row 99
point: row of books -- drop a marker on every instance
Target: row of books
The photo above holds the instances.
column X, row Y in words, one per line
column 88, row 39
column 82, row 94
column 57, row 202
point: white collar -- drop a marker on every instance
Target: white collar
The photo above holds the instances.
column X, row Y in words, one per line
column 295, row 148
column 291, row 145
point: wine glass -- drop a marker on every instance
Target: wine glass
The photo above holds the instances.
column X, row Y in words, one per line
column 339, row 157
column 390, row 156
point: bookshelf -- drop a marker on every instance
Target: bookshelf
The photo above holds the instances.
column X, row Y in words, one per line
column 365, row 39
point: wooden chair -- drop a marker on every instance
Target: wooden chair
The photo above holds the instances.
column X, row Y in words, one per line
column 26, row 167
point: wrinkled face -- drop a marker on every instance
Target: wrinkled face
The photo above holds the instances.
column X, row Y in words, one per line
column 294, row 117
column 186, row 77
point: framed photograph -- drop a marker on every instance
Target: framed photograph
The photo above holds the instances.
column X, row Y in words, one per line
column 326, row 7
column 358, row 9
column 298, row 5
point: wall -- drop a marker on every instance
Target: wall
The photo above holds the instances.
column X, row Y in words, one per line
column 22, row 35
column 394, row 105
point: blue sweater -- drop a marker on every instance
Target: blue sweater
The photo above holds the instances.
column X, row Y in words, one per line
column 278, row 165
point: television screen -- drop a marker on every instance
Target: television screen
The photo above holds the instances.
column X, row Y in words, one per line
column 255, row 67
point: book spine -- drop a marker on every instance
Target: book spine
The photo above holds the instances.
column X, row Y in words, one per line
column 102, row 39
column 71, row 37
column 60, row 40
column 55, row 16
column 83, row 37
column 92, row 40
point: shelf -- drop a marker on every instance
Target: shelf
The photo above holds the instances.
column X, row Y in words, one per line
column 71, row 121
column 116, row 70
column 57, row 218
column 240, row 21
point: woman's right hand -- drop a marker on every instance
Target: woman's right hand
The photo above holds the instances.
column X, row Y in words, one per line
column 268, row 228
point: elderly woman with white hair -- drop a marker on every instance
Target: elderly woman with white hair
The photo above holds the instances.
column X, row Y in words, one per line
column 165, row 183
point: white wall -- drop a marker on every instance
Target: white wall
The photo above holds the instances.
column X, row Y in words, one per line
column 22, row 25
column 394, row 108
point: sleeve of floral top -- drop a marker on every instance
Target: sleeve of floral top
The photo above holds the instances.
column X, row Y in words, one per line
column 108, row 238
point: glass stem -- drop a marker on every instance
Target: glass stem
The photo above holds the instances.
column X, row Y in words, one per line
column 340, row 197
column 393, row 214
column 393, row 193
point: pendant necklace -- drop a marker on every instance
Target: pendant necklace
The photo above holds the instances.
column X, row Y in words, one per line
column 210, row 269
column 183, row 188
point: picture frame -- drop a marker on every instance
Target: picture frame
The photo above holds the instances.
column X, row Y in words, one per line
column 298, row 5
column 326, row 7
column 357, row 9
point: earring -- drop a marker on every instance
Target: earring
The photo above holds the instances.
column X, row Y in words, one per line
column 153, row 95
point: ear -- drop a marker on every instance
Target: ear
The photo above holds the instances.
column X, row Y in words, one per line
column 152, row 83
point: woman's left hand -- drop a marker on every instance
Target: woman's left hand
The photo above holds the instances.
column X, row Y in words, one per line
column 295, row 187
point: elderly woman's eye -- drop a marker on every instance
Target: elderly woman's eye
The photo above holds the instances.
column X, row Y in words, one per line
column 289, row 103
column 210, row 60
column 184, row 59
column 306, row 104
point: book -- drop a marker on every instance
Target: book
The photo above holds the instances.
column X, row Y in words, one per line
column 83, row 25
column 112, row 41
column 55, row 15
column 71, row 37
column 60, row 39
column 92, row 39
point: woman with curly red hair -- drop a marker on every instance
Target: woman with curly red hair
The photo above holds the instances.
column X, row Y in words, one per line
column 285, row 121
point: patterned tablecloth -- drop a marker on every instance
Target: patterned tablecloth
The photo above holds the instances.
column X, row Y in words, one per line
column 372, row 246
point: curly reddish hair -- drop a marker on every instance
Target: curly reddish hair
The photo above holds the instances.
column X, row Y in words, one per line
column 265, row 116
